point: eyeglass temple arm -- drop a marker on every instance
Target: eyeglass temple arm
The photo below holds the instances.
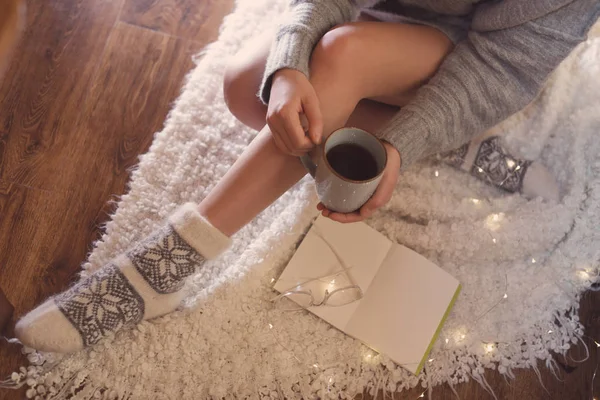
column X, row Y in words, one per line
column 337, row 255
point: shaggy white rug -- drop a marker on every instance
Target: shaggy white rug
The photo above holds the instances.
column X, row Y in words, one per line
column 523, row 264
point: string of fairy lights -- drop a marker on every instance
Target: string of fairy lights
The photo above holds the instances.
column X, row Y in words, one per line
column 493, row 222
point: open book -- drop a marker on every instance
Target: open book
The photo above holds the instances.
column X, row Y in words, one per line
column 406, row 298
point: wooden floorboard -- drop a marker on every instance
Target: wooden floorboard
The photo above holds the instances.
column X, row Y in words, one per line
column 195, row 20
column 90, row 84
column 46, row 84
column 81, row 100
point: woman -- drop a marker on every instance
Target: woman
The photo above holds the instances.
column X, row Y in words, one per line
column 456, row 67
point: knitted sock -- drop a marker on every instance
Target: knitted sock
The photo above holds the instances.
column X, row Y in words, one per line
column 143, row 283
column 488, row 160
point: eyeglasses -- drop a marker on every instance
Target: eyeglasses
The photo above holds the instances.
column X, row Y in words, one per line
column 338, row 288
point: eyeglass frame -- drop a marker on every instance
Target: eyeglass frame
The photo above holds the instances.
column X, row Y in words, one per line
column 328, row 294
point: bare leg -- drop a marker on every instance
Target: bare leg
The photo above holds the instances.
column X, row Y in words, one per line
column 387, row 61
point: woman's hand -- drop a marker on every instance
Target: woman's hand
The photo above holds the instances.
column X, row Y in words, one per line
column 291, row 96
column 382, row 195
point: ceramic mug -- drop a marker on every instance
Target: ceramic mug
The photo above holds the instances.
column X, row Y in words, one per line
column 336, row 192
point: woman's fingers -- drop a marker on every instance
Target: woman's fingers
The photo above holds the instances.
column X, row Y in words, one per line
column 297, row 139
column 385, row 189
column 282, row 139
column 312, row 110
column 345, row 218
column 278, row 135
column 382, row 195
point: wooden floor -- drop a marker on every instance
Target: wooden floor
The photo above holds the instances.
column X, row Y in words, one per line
column 90, row 84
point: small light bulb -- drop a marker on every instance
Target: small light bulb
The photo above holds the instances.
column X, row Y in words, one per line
column 583, row 274
column 505, row 296
column 597, row 344
column 270, row 326
column 550, row 331
column 510, row 163
column 330, row 380
column 518, row 168
column 476, row 201
column 533, row 260
column 489, row 347
column 494, row 240
column 316, row 365
column 272, row 280
column 431, row 359
column 495, row 217
column 479, row 169
column 462, row 336
column 437, row 173
column 447, row 340
column 422, row 394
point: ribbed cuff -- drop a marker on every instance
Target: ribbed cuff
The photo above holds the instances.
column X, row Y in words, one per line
column 198, row 232
column 408, row 133
column 290, row 50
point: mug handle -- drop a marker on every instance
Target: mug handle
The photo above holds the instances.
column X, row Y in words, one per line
column 309, row 164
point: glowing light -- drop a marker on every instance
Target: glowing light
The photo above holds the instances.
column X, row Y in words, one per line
column 550, row 331
column 437, row 173
column 583, row 274
column 493, row 221
column 431, row 359
column 422, row 395
column 494, row 240
column 510, row 163
column 597, row 344
column 518, row 168
column 270, row 326
column 331, row 286
column 316, row 365
column 462, row 336
column 489, row 348
column 505, row 296
column 533, row 260
column 447, row 340
column 476, row 201
column 272, row 280
column 330, row 380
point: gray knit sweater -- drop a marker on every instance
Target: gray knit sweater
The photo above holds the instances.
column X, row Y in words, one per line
column 511, row 48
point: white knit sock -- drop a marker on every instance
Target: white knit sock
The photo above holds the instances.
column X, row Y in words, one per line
column 487, row 159
column 143, row 283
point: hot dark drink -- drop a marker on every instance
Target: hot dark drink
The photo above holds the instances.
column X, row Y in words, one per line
column 352, row 162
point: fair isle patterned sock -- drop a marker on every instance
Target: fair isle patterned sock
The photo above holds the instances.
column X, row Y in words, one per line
column 489, row 161
column 143, row 283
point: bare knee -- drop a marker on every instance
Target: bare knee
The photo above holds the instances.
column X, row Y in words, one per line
column 240, row 85
column 333, row 63
column 336, row 50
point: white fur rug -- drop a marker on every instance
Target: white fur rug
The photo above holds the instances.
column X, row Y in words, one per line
column 520, row 291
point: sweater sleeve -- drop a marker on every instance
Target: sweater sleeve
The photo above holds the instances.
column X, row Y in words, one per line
column 488, row 77
column 305, row 23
